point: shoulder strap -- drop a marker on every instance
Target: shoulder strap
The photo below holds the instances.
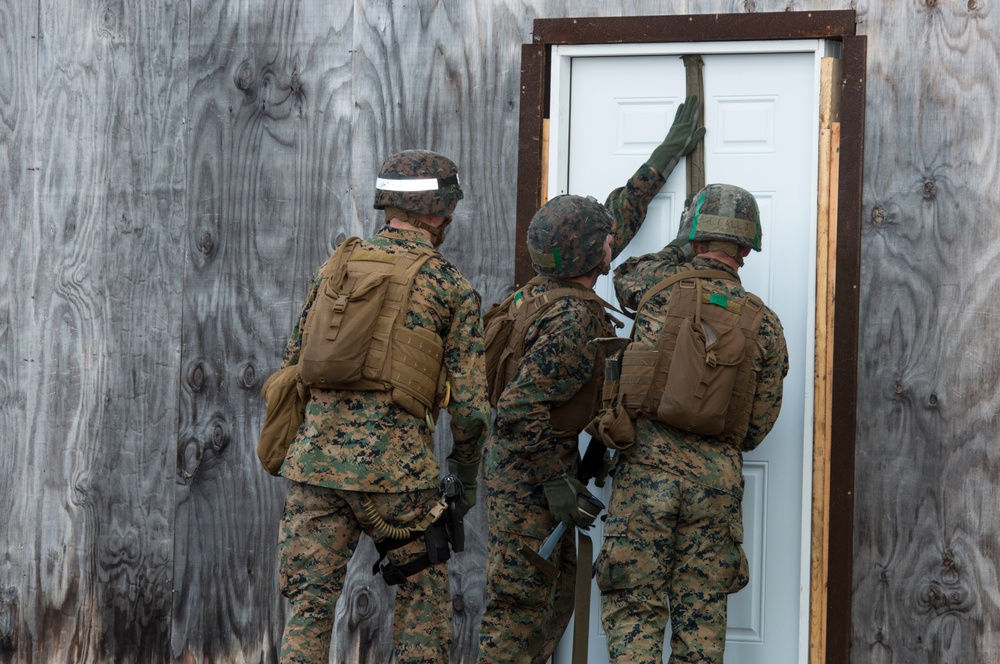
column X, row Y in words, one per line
column 340, row 256
column 681, row 276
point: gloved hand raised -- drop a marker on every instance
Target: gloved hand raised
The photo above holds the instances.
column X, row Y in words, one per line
column 468, row 477
column 561, row 493
column 682, row 138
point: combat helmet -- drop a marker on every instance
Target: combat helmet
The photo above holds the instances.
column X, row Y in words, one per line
column 726, row 213
column 566, row 236
column 418, row 181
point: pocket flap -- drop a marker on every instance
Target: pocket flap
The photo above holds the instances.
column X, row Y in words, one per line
column 729, row 349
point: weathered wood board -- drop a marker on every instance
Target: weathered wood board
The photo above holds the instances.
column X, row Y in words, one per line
column 176, row 170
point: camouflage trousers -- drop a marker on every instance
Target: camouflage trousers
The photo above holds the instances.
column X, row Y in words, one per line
column 672, row 552
column 319, row 532
column 526, row 612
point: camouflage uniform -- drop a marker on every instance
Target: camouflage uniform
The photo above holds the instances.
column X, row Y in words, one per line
column 527, row 613
column 672, row 539
column 354, row 445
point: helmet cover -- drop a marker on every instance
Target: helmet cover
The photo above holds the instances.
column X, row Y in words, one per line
column 418, row 181
column 566, row 236
column 724, row 212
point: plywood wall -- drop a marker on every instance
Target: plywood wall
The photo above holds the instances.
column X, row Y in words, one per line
column 173, row 173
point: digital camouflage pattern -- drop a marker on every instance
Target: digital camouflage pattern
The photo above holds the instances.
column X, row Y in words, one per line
column 353, row 443
column 566, row 236
column 319, row 532
column 693, row 478
column 363, row 441
column 526, row 613
column 438, row 199
column 672, row 552
column 724, row 212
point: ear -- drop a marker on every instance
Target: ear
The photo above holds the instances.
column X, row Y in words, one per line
column 744, row 251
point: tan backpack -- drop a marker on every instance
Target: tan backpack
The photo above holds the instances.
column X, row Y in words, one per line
column 355, row 337
column 698, row 376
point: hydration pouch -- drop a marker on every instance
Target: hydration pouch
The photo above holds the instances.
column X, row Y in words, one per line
column 702, row 375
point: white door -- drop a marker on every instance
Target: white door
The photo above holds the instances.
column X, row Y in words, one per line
column 761, row 111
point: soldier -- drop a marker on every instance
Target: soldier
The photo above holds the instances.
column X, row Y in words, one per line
column 390, row 332
column 674, row 531
column 531, row 464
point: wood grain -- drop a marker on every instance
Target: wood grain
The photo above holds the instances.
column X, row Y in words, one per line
column 926, row 563
column 268, row 131
column 175, row 172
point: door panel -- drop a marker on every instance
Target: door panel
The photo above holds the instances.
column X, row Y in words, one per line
column 761, row 114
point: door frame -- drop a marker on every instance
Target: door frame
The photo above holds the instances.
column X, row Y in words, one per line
column 536, row 72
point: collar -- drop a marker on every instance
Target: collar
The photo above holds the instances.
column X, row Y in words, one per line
column 405, row 235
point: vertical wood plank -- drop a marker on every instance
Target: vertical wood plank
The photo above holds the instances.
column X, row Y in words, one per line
column 926, row 545
column 97, row 305
column 18, row 328
column 268, row 142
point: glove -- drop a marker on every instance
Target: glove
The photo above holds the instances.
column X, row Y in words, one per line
column 560, row 492
column 682, row 138
column 468, row 477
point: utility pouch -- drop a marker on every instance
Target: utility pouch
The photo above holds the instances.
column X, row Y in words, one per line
column 344, row 328
column 285, row 405
column 612, row 425
column 701, row 376
column 416, row 370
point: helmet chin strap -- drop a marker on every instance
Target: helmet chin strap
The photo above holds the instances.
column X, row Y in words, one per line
column 436, row 232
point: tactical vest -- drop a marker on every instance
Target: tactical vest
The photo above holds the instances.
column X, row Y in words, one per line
column 506, row 324
column 355, row 337
column 699, row 377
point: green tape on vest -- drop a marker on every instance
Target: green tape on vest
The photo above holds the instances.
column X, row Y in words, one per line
column 720, row 300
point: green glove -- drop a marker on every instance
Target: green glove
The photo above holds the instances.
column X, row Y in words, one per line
column 560, row 492
column 682, row 138
column 468, row 477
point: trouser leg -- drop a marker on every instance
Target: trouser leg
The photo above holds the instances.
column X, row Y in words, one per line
column 526, row 612
column 317, row 536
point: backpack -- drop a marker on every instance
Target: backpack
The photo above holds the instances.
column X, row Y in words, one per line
column 505, row 326
column 697, row 377
column 363, row 295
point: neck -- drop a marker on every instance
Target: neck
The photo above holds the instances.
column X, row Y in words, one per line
column 722, row 257
column 585, row 280
column 399, row 224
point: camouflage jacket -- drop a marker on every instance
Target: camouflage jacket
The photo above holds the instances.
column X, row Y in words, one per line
column 363, row 441
column 708, row 460
column 522, row 451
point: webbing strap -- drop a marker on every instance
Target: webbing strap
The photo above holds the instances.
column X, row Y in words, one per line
column 581, row 618
column 681, row 276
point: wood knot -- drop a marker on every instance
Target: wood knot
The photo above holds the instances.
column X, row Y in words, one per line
column 930, row 189
column 931, row 4
column 973, row 6
column 197, row 378
column 206, row 243
column 749, row 6
column 878, row 215
column 245, row 77
column 248, row 379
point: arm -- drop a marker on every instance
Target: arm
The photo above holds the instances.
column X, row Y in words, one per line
column 463, row 358
column 294, row 345
column 628, row 204
column 557, row 364
column 770, row 379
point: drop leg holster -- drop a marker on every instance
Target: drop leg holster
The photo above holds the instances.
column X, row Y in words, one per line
column 444, row 535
